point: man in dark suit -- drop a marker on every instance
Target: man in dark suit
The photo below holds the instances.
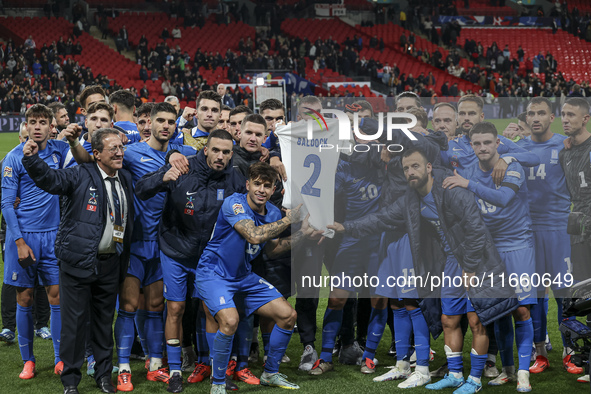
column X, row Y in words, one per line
column 98, row 201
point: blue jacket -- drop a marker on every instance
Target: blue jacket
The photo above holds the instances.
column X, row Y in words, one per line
column 82, row 223
column 192, row 204
column 469, row 240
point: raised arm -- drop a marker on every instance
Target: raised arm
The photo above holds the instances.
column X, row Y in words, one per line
column 80, row 154
column 155, row 182
column 52, row 181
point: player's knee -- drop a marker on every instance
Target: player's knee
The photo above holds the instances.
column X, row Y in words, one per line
column 24, row 297
column 176, row 310
column 476, row 326
column 521, row 313
column 336, row 303
column 449, row 322
column 155, row 304
column 291, row 319
column 229, row 324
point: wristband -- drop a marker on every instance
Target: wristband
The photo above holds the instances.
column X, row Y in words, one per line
column 75, row 143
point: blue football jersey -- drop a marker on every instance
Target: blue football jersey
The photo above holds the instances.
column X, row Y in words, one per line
column 38, row 210
column 510, row 226
column 461, row 156
column 360, row 187
column 140, row 159
column 227, row 252
column 549, row 199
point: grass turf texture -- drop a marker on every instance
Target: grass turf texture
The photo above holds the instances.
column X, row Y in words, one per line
column 345, row 379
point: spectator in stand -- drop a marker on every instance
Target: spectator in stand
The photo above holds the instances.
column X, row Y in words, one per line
column 165, row 34
column 30, row 43
column 176, row 33
column 144, row 74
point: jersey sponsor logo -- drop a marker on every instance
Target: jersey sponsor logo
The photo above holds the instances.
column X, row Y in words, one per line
column 237, row 208
column 457, row 149
column 92, row 189
column 190, row 194
column 358, row 180
column 220, row 194
column 189, row 204
column 92, row 199
column 521, row 298
column 7, row 172
column 143, row 159
column 515, row 174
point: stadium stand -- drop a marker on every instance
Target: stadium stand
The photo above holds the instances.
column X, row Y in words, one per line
column 575, row 54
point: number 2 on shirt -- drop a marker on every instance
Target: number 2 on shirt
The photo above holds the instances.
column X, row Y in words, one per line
column 308, row 188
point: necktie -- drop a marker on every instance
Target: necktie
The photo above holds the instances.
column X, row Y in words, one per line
column 117, row 213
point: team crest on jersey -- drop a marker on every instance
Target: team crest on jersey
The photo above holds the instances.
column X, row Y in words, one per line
column 55, row 159
column 454, row 161
column 222, row 300
column 237, row 208
column 220, row 194
column 189, row 206
column 7, row 172
column 554, row 156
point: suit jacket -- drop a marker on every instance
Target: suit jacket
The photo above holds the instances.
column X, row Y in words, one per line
column 84, row 213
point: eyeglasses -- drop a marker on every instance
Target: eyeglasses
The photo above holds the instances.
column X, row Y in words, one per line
column 115, row 149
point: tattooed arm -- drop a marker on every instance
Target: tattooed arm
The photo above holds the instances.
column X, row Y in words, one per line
column 260, row 234
column 276, row 247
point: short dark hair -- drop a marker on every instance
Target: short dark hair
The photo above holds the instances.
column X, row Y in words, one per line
column 254, row 118
column 484, row 128
column 163, row 107
column 522, row 116
column 56, row 106
column 472, row 98
column 99, row 135
column 98, row 106
column 263, row 171
column 540, row 100
column 221, row 134
column 144, row 109
column 411, row 150
column 411, row 95
column 240, row 109
column 90, row 90
column 226, row 108
column 42, row 111
column 272, row 104
column 578, row 102
column 124, row 98
column 209, row 95
column 310, row 100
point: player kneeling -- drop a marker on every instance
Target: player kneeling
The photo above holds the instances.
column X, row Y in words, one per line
column 246, row 224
